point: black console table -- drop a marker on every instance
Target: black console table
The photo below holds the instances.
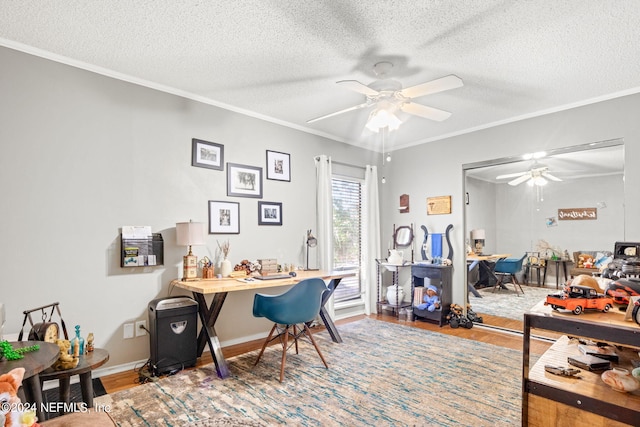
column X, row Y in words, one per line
column 438, row 276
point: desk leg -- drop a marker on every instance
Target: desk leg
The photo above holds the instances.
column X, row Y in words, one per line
column 86, row 387
column 208, row 335
column 33, row 393
column 324, row 315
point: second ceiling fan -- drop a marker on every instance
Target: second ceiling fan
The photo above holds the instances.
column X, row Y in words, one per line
column 537, row 175
column 388, row 96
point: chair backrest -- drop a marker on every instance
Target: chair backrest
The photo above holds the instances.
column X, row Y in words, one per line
column 510, row 265
column 299, row 304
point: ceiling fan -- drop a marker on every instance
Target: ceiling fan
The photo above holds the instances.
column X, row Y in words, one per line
column 388, row 96
column 537, row 175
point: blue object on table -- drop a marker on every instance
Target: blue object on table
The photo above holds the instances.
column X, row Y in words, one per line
column 436, row 245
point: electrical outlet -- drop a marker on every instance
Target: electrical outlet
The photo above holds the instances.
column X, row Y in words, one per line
column 128, row 330
column 141, row 328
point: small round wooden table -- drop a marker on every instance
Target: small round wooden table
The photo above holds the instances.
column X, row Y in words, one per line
column 86, row 364
column 34, row 363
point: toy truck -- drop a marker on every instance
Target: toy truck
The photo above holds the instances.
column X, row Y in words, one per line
column 579, row 298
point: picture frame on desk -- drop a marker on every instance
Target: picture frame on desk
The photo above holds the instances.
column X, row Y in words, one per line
column 244, row 181
column 206, row 154
column 224, row 217
column 269, row 213
column 278, row 166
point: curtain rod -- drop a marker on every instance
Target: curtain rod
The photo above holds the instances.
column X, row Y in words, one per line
column 343, row 164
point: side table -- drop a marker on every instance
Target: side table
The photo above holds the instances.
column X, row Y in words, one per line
column 33, row 362
column 561, row 267
column 87, row 363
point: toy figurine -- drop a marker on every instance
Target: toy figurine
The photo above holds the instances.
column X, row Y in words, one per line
column 431, row 299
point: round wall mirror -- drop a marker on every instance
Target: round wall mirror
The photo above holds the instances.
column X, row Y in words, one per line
column 403, row 236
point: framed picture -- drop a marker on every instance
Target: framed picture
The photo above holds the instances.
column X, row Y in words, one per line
column 278, row 166
column 224, row 217
column 269, row 213
column 207, row 154
column 244, row 181
column 438, row 205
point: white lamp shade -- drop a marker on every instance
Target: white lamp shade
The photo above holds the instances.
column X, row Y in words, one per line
column 477, row 234
column 190, row 233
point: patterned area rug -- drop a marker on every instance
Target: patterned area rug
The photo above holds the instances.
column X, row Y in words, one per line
column 505, row 303
column 383, row 374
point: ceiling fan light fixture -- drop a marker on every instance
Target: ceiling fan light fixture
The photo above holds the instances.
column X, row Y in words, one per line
column 381, row 118
column 539, row 181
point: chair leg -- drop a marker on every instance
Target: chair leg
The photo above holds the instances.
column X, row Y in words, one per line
column 313, row 341
column 264, row 346
column 517, row 284
column 499, row 282
column 285, row 344
column 295, row 337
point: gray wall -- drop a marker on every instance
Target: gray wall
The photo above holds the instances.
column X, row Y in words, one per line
column 84, row 154
column 515, row 220
column 435, row 169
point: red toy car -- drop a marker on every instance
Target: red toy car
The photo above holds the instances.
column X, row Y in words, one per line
column 620, row 290
column 579, row 298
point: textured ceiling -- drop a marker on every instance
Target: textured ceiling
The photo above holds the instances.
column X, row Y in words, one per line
column 279, row 59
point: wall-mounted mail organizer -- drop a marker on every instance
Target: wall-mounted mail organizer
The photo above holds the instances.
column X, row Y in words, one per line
column 142, row 251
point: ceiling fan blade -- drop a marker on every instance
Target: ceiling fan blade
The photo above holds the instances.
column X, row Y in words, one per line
column 326, row 116
column 520, row 180
column 426, row 112
column 434, row 86
column 356, row 86
column 511, row 175
column 551, row 177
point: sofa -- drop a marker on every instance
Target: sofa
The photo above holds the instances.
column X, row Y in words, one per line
column 589, row 262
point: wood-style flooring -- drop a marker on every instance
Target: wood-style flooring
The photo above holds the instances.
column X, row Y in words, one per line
column 125, row 380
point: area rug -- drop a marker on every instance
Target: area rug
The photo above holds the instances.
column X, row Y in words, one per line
column 382, row 374
column 505, row 303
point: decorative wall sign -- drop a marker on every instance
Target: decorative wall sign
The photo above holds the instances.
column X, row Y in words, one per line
column 438, row 205
column 404, row 203
column 207, row 154
column 269, row 213
column 278, row 166
column 244, row 181
column 224, row 217
column 575, row 214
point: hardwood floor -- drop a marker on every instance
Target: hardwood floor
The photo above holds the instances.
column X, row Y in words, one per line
column 125, row 380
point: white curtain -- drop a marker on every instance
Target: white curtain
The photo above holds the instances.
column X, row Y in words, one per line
column 324, row 218
column 324, row 213
column 370, row 237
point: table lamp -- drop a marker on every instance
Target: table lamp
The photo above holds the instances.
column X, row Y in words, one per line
column 188, row 234
column 477, row 237
column 312, row 242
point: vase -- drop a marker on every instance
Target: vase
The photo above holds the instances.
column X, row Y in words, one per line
column 621, row 380
column 392, row 292
column 77, row 344
column 225, row 267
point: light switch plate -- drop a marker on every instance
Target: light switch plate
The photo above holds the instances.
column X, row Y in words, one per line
column 128, row 330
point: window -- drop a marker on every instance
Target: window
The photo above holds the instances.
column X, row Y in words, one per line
column 347, row 204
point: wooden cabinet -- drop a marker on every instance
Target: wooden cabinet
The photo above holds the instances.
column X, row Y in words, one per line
column 432, row 274
column 549, row 399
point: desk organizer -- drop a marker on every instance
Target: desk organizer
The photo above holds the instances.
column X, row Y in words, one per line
column 142, row 252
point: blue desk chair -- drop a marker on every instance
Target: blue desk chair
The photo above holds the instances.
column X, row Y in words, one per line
column 508, row 267
column 298, row 306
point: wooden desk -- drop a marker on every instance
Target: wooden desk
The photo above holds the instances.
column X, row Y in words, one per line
column 33, row 362
column 219, row 288
column 484, row 261
column 493, row 257
column 86, row 364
